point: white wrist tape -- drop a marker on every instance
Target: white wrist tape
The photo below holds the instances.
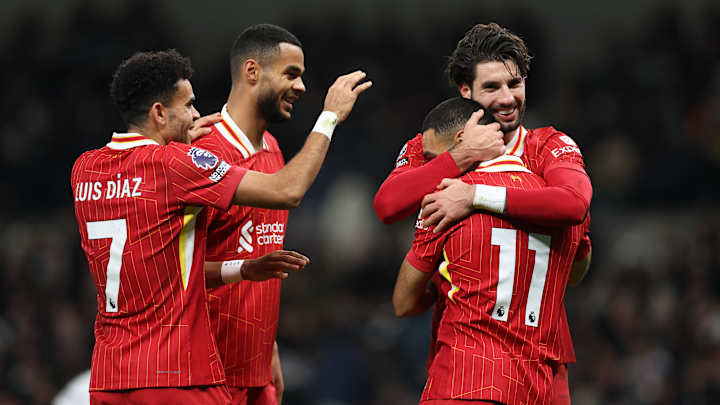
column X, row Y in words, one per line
column 490, row 198
column 326, row 123
column 230, row 271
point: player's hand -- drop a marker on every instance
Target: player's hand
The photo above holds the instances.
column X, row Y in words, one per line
column 344, row 92
column 275, row 264
column 277, row 375
column 478, row 142
column 445, row 207
column 202, row 126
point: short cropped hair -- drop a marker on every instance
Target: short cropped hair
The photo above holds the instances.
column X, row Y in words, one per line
column 486, row 43
column 146, row 78
column 450, row 116
column 260, row 42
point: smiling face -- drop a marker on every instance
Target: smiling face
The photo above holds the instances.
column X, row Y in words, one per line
column 181, row 112
column 500, row 88
column 281, row 83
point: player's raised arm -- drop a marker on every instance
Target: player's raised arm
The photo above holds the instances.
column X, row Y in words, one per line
column 286, row 188
column 403, row 190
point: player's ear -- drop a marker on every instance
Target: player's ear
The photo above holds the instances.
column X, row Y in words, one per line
column 458, row 136
column 252, row 70
column 158, row 114
column 465, row 90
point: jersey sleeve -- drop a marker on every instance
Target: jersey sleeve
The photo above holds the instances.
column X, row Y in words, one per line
column 559, row 150
column 427, row 248
column 412, row 178
column 410, row 156
column 566, row 199
column 199, row 177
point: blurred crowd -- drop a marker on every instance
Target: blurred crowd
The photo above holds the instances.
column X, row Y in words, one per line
column 645, row 322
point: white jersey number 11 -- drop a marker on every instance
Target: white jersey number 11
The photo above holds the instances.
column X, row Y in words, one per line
column 506, row 239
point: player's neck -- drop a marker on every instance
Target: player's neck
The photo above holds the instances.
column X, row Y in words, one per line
column 508, row 136
column 149, row 133
column 248, row 118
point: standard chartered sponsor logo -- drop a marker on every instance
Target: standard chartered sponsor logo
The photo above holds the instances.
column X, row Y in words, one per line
column 246, row 238
column 266, row 234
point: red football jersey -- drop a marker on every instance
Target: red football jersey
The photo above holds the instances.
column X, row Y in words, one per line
column 540, row 150
column 139, row 208
column 245, row 314
column 543, row 148
column 504, row 284
column 411, row 156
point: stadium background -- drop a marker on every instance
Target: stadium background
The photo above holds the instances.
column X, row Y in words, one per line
column 636, row 84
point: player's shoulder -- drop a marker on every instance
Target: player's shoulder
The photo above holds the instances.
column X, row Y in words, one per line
column 201, row 157
column 213, row 140
column 543, row 135
column 83, row 159
column 415, row 142
column 509, row 179
column 411, row 152
column 88, row 154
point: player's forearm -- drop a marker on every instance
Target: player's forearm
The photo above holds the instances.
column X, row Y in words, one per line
column 221, row 273
column 213, row 279
column 400, row 194
column 413, row 303
column 549, row 206
column 411, row 295
column 565, row 201
column 287, row 187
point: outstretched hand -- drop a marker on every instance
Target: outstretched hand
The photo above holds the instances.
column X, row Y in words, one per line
column 344, row 92
column 449, row 205
column 202, row 126
column 275, row 264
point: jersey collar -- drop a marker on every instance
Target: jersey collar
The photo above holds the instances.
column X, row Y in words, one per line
column 516, row 146
column 504, row 163
column 233, row 134
column 121, row 141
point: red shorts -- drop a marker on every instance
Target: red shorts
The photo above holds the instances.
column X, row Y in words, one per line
column 560, row 386
column 211, row 394
column 264, row 395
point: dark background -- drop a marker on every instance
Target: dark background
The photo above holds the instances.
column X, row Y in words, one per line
column 636, row 84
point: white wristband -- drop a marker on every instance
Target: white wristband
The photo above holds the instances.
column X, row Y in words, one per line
column 230, row 271
column 326, row 123
column 490, row 198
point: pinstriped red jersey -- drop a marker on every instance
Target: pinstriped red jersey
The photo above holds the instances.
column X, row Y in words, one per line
column 541, row 149
column 245, row 314
column 503, row 285
column 139, row 208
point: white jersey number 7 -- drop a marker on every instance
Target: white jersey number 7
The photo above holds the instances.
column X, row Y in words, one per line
column 115, row 229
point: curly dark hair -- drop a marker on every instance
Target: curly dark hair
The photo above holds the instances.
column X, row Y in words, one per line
column 146, row 78
column 485, row 43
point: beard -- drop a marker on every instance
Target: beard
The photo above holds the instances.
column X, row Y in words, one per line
column 180, row 131
column 269, row 104
column 506, row 127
